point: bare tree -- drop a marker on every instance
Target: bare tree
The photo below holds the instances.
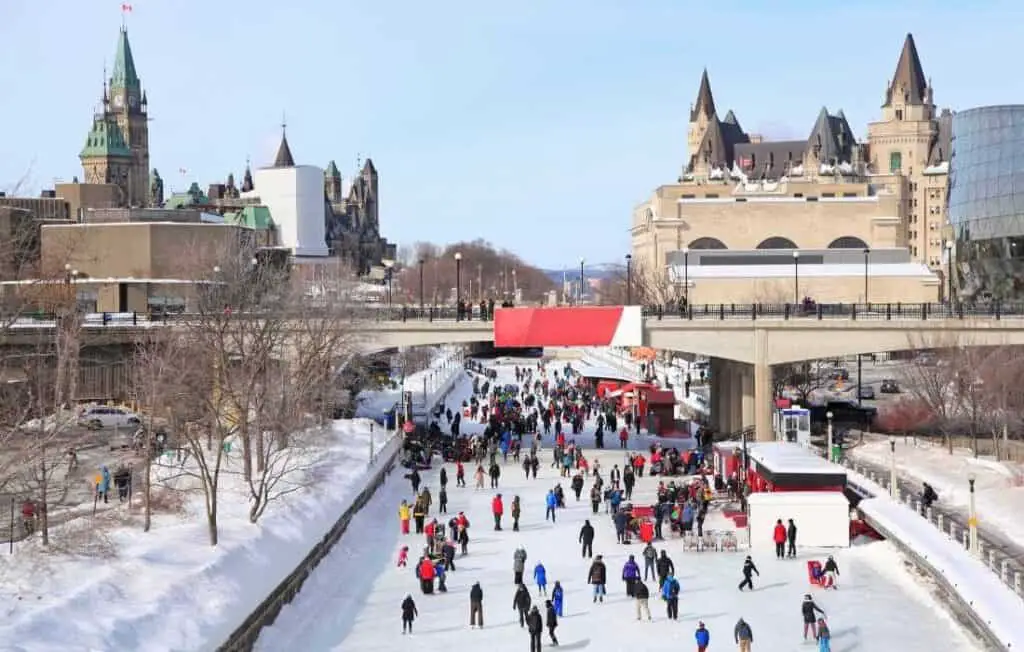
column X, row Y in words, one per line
column 931, row 377
column 1003, row 381
column 804, row 378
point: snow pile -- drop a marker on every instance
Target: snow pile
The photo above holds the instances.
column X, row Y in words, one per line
column 110, row 586
column 998, row 495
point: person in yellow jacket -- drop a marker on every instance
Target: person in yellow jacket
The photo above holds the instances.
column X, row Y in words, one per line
column 403, row 516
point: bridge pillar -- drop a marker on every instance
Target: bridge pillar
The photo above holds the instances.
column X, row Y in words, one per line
column 719, row 389
column 748, row 415
column 763, row 395
column 736, row 396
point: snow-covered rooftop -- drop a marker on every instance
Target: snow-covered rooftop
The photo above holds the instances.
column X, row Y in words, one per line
column 834, row 270
column 786, row 457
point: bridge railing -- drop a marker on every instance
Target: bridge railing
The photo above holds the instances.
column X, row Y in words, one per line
column 708, row 311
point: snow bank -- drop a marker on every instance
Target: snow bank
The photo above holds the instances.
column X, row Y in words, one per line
column 991, row 601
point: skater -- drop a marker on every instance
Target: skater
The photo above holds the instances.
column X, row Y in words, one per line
column 642, row 595
column 824, row 637
column 702, row 636
column 444, row 477
column 516, row 511
column 460, row 475
column 540, row 576
column 748, row 570
column 665, row 568
column 650, row 557
column 414, row 480
column 595, row 498
column 577, row 485
column 476, row 606
column 442, row 501
column 425, row 571
column 521, row 602
column 536, row 628
column 403, row 517
column 558, row 598
column 551, row 620
column 779, row 537
column 419, row 512
column 439, row 573
column 791, row 539
column 670, row 593
column 744, row 635
column 497, row 509
column 551, row 501
column 597, row 576
column 409, row 614
column 587, row 539
column 810, row 612
column 479, row 477
column 831, row 572
column 630, row 575
column 403, row 557
column 518, row 565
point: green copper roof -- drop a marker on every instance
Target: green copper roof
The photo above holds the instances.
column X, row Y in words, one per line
column 253, row 217
column 124, row 75
column 105, row 139
column 332, row 170
column 194, row 196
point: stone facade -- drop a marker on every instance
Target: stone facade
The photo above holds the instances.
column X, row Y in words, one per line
column 739, row 191
column 838, row 289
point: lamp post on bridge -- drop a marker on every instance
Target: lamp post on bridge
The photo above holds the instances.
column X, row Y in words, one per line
column 972, row 520
column 421, row 286
column 629, row 279
column 582, row 262
column 458, row 286
column 949, row 272
column 686, row 276
column 828, row 442
column 893, row 488
column 796, row 277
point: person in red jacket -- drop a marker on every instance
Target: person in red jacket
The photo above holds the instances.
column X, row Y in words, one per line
column 623, row 437
column 498, row 508
column 779, row 537
column 425, row 570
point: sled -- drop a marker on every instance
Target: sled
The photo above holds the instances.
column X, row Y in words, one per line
column 814, row 574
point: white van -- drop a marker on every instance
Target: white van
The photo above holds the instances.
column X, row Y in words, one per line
column 102, row 416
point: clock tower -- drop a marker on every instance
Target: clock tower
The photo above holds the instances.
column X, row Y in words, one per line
column 117, row 148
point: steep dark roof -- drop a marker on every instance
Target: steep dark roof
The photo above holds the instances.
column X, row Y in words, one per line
column 943, row 141
column 831, row 138
column 908, row 82
column 368, row 167
column 770, row 160
column 284, row 154
column 718, row 146
column 705, row 101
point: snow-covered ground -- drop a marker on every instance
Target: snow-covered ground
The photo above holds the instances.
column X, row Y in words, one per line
column 352, row 601
column 107, row 585
column 374, row 404
column 999, row 486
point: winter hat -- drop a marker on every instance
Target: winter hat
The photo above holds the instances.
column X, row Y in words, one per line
column 808, row 597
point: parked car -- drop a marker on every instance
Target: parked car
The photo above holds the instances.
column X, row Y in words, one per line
column 889, row 386
column 102, row 416
column 867, row 393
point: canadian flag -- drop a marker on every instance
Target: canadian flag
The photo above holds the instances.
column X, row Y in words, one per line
column 126, row 8
column 182, row 171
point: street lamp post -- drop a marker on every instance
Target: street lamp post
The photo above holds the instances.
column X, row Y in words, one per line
column 629, row 279
column 828, row 443
column 949, row 272
column 893, row 488
column 458, row 286
column 796, row 277
column 972, row 520
column 867, row 253
column 390, row 270
column 686, row 276
column 582, row 261
column 421, row 287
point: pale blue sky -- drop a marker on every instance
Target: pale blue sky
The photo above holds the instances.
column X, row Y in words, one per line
column 536, row 124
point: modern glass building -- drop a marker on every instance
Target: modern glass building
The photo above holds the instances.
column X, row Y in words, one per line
column 986, row 203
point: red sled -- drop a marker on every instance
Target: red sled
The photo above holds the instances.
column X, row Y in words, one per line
column 814, row 573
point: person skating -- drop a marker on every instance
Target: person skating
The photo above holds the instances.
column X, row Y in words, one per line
column 702, row 636
column 535, row 626
column 650, row 558
column 403, row 517
column 831, row 571
column 414, row 480
column 824, row 636
column 409, row 613
column 516, row 511
column 665, row 568
column 521, row 602
column 442, row 501
column 810, row 612
column 443, row 477
column 642, row 595
column 439, row 573
column 558, row 599
column 587, row 539
column 460, row 475
column 597, row 576
column 497, row 509
column 540, row 576
column 476, row 606
column 419, row 513
column 518, row 565
column 577, row 485
column 425, row 572
column 791, row 539
column 551, row 502
column 748, row 570
column 595, row 498
column 779, row 537
column 670, row 593
column 630, row 574
column 551, row 620
column 495, row 473
column 744, row 635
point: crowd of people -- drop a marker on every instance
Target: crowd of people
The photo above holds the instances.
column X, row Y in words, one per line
column 549, row 407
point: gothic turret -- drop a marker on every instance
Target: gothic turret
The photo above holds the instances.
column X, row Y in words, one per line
column 284, row 152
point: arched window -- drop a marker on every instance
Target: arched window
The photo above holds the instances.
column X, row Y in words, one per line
column 848, row 242
column 777, row 242
column 707, row 243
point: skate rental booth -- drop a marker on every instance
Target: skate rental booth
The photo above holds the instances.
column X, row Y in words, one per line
column 778, row 466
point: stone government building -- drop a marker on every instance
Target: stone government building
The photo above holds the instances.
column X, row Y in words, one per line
column 120, row 205
column 740, row 196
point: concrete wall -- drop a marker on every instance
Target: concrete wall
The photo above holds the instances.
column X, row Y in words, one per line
column 295, row 197
column 850, row 289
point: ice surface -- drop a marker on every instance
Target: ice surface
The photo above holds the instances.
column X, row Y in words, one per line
column 351, row 603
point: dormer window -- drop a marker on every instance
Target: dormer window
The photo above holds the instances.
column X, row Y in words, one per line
column 899, row 114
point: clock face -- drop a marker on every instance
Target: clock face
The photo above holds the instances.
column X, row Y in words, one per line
column 118, row 101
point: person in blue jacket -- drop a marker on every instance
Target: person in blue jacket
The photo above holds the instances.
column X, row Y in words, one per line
column 439, row 573
column 702, row 636
column 557, row 598
column 551, row 501
column 630, row 575
column 540, row 576
column 670, row 593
